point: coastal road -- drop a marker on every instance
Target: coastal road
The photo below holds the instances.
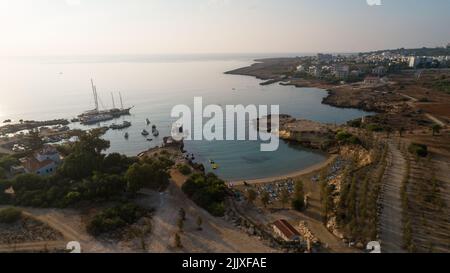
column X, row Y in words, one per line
column 391, row 235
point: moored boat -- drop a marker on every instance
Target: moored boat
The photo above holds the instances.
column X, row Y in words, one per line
column 124, row 125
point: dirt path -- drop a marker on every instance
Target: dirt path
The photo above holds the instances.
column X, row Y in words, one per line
column 33, row 246
column 216, row 236
column 391, row 212
column 435, row 120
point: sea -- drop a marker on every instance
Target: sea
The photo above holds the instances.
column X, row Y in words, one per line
column 42, row 88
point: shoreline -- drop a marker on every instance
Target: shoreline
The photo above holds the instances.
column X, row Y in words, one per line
column 296, row 174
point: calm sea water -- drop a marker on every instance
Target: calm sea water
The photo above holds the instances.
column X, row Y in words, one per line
column 48, row 88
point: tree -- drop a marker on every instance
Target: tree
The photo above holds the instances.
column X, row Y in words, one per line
column 265, row 198
column 7, row 161
column 401, row 130
column 184, row 169
column 151, row 173
column 298, row 203
column 91, row 142
column 207, row 191
column 436, row 129
column 180, row 224
column 178, row 241
column 388, row 131
column 284, row 198
column 251, row 196
column 199, row 222
column 10, row 215
column 182, row 214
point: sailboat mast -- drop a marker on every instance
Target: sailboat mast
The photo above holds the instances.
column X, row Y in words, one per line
column 94, row 91
column 121, row 102
column 113, row 103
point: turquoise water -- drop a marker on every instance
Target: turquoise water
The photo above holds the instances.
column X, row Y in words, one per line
column 60, row 88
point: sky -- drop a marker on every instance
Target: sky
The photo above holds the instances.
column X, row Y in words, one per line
column 85, row 27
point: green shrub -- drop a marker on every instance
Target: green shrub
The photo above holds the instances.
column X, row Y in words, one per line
column 112, row 219
column 418, row 149
column 298, row 204
column 10, row 215
column 207, row 191
column 347, row 138
column 184, row 169
column 356, row 123
column 374, row 127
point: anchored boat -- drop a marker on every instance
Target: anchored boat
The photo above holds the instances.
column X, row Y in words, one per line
column 124, row 125
column 96, row 115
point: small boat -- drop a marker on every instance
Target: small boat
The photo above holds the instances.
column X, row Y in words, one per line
column 124, row 125
column 148, row 121
column 214, row 166
column 75, row 120
column 155, row 133
column 126, row 135
column 145, row 133
column 149, row 139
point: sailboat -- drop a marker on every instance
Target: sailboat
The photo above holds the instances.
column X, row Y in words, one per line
column 96, row 115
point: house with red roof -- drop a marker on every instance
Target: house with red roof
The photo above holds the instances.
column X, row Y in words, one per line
column 286, row 231
column 43, row 162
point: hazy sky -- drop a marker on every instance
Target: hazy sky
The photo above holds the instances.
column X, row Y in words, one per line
column 66, row 27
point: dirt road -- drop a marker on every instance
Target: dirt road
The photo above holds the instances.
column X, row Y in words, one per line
column 216, row 236
column 391, row 213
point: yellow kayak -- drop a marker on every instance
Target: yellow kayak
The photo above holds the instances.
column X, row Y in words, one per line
column 214, row 166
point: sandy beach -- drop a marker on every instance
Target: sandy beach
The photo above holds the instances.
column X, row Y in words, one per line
column 308, row 170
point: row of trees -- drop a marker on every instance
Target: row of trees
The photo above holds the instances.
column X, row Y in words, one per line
column 297, row 200
column 355, row 205
column 87, row 174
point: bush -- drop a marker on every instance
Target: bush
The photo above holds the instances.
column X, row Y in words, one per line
column 10, row 215
column 356, row 123
column 374, row 127
column 207, row 191
column 2, row 173
column 112, row 219
column 418, row 149
column 7, row 161
column 298, row 204
column 184, row 169
column 347, row 138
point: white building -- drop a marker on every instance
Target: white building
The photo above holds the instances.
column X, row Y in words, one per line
column 42, row 162
column 413, row 62
column 314, row 71
column 341, row 71
column 300, row 68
